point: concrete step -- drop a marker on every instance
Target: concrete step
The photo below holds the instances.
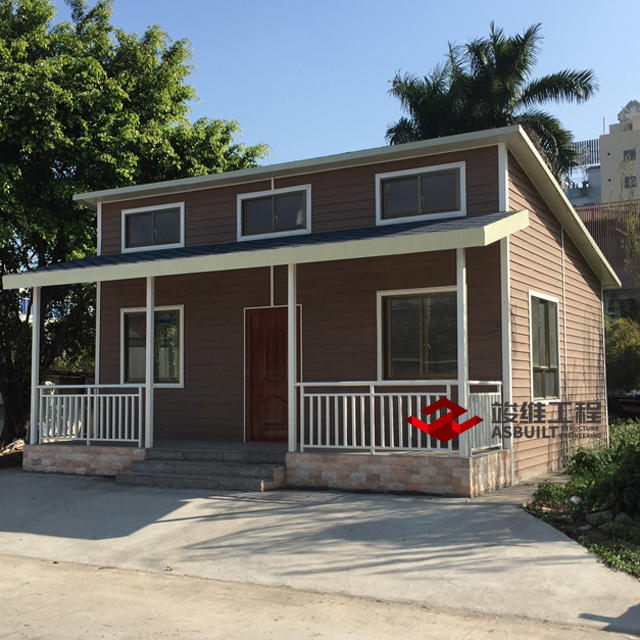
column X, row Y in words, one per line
column 189, row 481
column 206, row 468
column 221, row 455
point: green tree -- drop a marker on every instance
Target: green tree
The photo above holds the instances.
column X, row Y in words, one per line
column 83, row 106
column 486, row 84
column 622, row 347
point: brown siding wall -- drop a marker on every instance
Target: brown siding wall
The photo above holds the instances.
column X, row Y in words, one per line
column 536, row 264
column 341, row 199
column 339, row 328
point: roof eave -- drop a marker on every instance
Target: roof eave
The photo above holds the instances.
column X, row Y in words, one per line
column 538, row 171
column 348, row 250
column 313, row 165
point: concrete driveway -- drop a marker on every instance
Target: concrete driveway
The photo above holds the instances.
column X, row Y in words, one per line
column 478, row 555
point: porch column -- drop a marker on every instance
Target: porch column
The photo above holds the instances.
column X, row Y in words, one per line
column 463, row 347
column 292, row 356
column 149, row 363
column 36, row 317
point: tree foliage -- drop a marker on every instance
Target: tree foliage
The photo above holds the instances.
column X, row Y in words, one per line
column 486, row 84
column 623, row 355
column 83, row 106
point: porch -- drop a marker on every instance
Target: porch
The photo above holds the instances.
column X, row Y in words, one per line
column 329, row 418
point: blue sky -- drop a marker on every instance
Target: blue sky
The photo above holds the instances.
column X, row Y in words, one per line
column 311, row 78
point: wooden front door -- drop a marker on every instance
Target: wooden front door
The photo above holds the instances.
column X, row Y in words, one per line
column 266, row 363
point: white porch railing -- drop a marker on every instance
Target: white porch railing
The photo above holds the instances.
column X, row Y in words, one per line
column 92, row 413
column 481, row 404
column 373, row 415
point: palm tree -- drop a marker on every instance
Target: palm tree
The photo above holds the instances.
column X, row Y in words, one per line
column 486, row 84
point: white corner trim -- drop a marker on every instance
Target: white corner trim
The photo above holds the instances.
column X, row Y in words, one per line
column 381, row 177
column 304, row 188
column 505, row 309
column 503, row 177
column 155, row 207
column 99, row 229
column 170, row 307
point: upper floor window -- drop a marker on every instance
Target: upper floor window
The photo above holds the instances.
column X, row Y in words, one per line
column 630, row 182
column 421, row 194
column 544, row 348
column 630, row 155
column 274, row 213
column 161, row 226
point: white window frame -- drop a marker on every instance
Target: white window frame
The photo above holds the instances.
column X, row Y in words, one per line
column 380, row 295
column 151, row 247
column 164, row 385
column 381, row 177
column 306, row 188
column 543, row 296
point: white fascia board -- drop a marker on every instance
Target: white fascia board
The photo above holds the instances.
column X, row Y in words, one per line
column 366, row 248
column 536, row 168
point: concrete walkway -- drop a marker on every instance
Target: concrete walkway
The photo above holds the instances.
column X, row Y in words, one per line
column 481, row 555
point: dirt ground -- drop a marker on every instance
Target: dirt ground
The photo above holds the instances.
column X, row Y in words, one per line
column 67, row 601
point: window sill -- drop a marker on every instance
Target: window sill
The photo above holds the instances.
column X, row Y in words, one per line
column 423, row 217
column 153, row 247
column 274, row 234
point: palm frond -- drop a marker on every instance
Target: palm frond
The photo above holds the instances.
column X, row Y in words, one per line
column 552, row 139
column 401, row 132
column 567, row 85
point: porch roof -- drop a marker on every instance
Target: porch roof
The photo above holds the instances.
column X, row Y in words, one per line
column 463, row 232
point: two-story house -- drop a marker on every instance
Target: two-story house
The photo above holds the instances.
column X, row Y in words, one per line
column 298, row 314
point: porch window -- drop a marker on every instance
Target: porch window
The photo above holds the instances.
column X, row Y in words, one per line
column 274, row 213
column 544, row 348
column 153, row 227
column 423, row 194
column 420, row 336
column 168, row 348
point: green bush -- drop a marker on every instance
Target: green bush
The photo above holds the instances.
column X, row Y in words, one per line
column 607, row 478
column 623, row 355
column 620, row 489
column 624, row 430
column 551, row 493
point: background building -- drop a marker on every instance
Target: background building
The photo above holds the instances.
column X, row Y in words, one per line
column 604, row 192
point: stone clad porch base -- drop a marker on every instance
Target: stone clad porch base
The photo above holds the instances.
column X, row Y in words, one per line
column 412, row 472
column 80, row 459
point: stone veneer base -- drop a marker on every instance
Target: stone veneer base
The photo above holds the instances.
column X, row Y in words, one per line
column 405, row 472
column 80, row 459
column 401, row 472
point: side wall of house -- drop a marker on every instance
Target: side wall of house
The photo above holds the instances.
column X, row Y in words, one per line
column 339, row 329
column 340, row 199
column 536, row 265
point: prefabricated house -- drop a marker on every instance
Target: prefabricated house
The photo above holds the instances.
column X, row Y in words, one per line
column 277, row 326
